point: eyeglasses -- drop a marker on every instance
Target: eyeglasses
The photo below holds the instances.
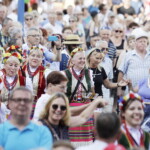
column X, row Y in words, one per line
column 34, row 35
column 118, row 31
column 25, row 100
column 27, row 19
column 62, row 108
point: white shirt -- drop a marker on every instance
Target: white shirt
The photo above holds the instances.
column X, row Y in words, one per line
column 40, row 105
column 3, row 113
column 97, row 145
column 57, row 29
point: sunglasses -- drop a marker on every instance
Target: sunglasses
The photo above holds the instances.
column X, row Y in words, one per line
column 62, row 108
column 118, row 31
column 27, row 19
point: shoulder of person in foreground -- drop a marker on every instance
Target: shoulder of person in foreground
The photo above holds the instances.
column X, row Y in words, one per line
column 46, row 139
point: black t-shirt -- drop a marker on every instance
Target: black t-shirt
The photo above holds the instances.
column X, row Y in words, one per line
column 129, row 11
column 98, row 78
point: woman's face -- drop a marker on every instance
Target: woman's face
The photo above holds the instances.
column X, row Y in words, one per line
column 134, row 114
column 95, row 58
column 35, row 59
column 56, row 111
column 118, row 32
column 11, row 68
column 78, row 60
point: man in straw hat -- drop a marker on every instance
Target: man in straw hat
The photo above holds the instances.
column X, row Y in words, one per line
column 71, row 42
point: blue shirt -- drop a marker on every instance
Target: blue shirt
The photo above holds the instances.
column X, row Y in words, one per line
column 31, row 137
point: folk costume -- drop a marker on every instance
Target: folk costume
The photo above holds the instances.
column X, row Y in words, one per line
column 78, row 86
column 7, row 84
column 132, row 136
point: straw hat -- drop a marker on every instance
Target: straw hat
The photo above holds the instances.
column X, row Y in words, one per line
column 72, row 39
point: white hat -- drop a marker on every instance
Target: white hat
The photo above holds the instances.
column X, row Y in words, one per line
column 139, row 33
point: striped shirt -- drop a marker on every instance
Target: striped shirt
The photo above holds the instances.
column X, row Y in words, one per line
column 134, row 67
column 111, row 50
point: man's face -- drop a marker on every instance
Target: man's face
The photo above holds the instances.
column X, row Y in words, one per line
column 34, row 38
column 66, row 33
column 105, row 35
column 94, row 40
column 141, row 44
column 104, row 48
column 21, row 104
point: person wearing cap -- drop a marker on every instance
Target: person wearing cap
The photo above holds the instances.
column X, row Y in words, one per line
column 107, row 131
column 71, row 42
column 132, row 114
column 135, row 66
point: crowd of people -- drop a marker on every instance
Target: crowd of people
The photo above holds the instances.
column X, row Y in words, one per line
column 75, row 75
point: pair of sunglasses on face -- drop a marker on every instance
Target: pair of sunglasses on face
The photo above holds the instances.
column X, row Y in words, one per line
column 62, row 108
column 101, row 50
column 118, row 31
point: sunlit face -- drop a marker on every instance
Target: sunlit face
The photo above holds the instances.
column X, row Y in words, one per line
column 132, row 44
column 55, row 115
column 66, row 33
column 104, row 47
column 78, row 60
column 94, row 40
column 105, row 35
column 95, row 58
column 21, row 108
column 35, row 59
column 34, row 38
column 141, row 44
column 12, row 68
column 58, row 87
column 118, row 32
column 29, row 20
column 134, row 114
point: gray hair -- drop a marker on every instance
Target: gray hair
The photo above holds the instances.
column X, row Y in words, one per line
column 28, row 14
column 32, row 29
column 21, row 88
column 13, row 31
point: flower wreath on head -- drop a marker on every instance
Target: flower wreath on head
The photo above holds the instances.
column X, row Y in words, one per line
column 15, row 54
column 75, row 51
column 131, row 96
column 14, row 49
column 35, row 48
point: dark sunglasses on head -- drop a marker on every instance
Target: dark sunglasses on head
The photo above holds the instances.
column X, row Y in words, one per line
column 118, row 31
column 101, row 50
column 55, row 107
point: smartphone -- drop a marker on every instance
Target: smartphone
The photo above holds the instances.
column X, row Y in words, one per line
column 52, row 38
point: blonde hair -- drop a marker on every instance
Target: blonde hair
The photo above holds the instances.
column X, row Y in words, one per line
column 36, row 50
column 12, row 59
column 45, row 114
column 88, row 58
